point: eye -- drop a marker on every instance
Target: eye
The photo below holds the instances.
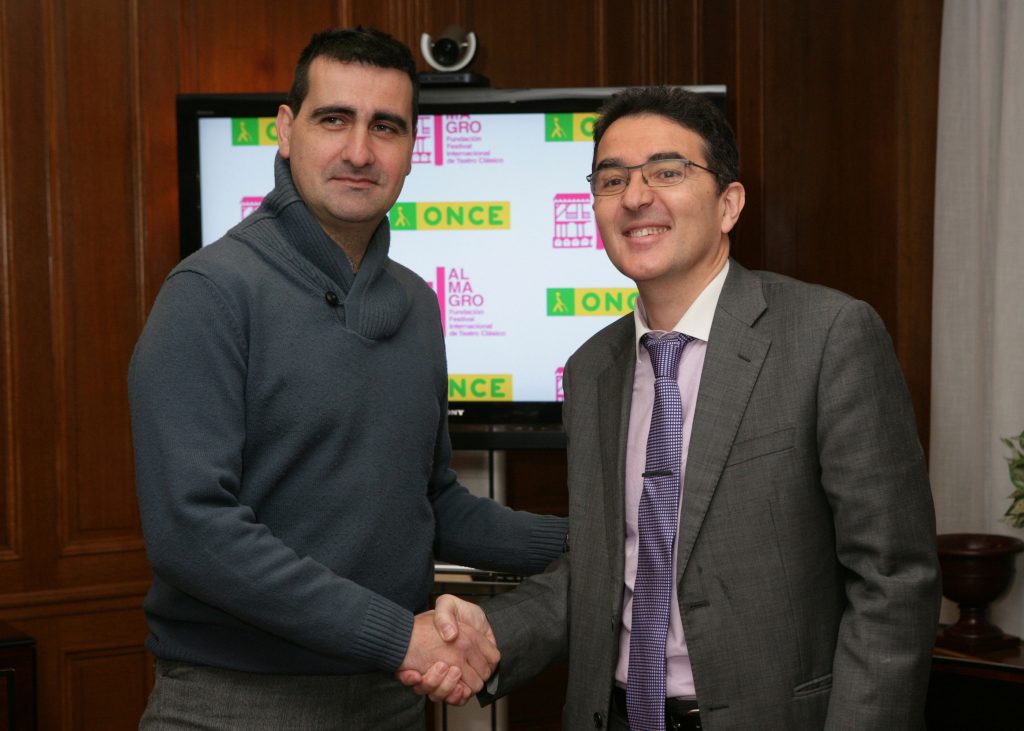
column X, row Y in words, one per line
column 384, row 128
column 668, row 172
column 610, row 179
column 333, row 120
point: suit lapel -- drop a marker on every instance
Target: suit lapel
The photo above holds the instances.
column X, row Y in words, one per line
column 732, row 363
column 615, row 391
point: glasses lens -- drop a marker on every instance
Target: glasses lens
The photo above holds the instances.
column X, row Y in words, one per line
column 658, row 174
column 663, row 173
column 609, row 181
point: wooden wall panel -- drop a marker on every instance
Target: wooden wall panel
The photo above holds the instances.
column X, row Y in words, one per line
column 28, row 397
column 240, row 45
column 849, row 138
column 92, row 675
column 93, row 260
column 634, row 41
column 92, row 669
column 407, row 20
column 746, row 104
column 534, row 43
column 684, row 42
column 160, row 76
column 8, row 495
column 917, row 95
column 837, row 109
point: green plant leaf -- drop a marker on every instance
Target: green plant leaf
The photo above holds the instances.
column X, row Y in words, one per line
column 1015, row 514
column 1017, row 477
column 1015, row 464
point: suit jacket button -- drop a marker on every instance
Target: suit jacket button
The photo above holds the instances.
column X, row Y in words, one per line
column 331, row 297
column 598, row 720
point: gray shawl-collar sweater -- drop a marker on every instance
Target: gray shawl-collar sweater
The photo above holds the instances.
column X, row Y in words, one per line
column 292, row 456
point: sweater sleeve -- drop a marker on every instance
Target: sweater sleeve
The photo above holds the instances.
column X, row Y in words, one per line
column 479, row 532
column 187, row 384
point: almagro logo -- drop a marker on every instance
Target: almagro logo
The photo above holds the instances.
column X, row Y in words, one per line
column 253, row 131
column 569, row 127
column 579, row 301
column 479, row 386
column 451, row 216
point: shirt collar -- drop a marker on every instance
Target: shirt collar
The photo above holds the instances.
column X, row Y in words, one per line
column 696, row 321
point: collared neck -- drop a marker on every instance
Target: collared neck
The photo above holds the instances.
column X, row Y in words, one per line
column 695, row 322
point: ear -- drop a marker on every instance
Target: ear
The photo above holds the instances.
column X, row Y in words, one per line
column 731, row 201
column 284, row 130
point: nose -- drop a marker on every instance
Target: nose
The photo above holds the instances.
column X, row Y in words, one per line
column 357, row 150
column 637, row 193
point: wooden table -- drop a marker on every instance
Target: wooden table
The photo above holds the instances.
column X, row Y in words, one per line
column 983, row 691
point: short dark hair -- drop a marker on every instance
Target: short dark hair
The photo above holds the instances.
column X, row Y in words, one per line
column 353, row 45
column 689, row 109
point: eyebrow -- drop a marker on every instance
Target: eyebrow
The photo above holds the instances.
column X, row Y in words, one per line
column 614, row 162
column 378, row 116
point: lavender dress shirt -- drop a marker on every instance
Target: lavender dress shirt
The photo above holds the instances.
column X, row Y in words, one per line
column 696, row 322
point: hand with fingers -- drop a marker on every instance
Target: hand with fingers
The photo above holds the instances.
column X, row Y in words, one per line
column 464, row 653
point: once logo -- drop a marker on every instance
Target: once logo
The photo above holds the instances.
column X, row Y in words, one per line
column 451, row 216
column 569, row 127
column 253, row 131
column 480, row 386
column 574, row 302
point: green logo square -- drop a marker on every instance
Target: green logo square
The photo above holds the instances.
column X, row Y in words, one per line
column 561, row 302
column 403, row 217
column 245, row 131
column 558, row 127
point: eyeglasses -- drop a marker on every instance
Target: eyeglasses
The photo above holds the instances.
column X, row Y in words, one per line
column 613, row 180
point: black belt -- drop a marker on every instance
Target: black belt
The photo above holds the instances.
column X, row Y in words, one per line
column 681, row 714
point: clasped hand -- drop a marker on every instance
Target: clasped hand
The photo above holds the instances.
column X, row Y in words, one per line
column 451, row 653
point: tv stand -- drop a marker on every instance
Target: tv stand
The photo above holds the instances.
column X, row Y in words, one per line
column 506, row 436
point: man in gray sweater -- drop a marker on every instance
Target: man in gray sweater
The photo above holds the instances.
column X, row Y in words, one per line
column 289, row 414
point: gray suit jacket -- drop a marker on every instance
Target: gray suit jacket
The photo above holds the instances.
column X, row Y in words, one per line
column 808, row 577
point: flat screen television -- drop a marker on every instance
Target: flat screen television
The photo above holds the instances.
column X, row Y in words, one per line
column 496, row 216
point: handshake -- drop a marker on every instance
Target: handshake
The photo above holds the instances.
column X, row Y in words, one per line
column 452, row 652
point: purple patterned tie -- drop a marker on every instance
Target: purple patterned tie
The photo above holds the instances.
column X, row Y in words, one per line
column 656, row 527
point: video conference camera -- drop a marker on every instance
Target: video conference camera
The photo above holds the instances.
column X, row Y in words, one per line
column 450, row 54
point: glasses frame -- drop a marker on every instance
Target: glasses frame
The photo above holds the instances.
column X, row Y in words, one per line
column 630, row 168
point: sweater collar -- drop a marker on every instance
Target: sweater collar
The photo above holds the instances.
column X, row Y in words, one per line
column 375, row 303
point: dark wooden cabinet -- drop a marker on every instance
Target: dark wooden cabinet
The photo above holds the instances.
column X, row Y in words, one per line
column 982, row 692
column 17, row 680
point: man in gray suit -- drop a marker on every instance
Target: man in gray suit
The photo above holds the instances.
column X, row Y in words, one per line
column 806, row 583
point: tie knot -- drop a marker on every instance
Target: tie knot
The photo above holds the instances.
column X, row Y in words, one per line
column 665, row 353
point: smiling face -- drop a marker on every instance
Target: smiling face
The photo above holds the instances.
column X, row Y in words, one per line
column 350, row 147
column 671, row 239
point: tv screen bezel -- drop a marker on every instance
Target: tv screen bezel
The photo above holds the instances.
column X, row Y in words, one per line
column 190, row 108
